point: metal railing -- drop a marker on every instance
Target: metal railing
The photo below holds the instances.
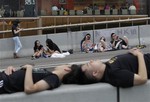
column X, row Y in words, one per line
column 83, row 24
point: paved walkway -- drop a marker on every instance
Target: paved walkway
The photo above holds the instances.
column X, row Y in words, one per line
column 77, row 57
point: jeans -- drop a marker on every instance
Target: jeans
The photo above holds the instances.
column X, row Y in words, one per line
column 18, row 44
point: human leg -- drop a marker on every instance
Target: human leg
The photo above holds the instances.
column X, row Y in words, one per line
column 18, row 46
column 15, row 44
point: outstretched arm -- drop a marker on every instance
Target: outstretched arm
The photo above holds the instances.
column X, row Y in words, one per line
column 141, row 76
column 29, row 86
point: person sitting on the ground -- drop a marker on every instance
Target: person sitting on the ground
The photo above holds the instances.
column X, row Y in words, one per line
column 31, row 80
column 53, row 50
column 103, row 45
column 38, row 50
column 51, row 47
column 126, row 70
column 86, row 44
column 119, row 43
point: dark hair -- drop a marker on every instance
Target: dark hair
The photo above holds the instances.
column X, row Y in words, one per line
column 16, row 22
column 112, row 34
column 112, row 37
column 85, row 37
column 102, row 38
column 77, row 76
column 35, row 45
column 49, row 43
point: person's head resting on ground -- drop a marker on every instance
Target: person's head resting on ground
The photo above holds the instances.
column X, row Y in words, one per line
column 88, row 73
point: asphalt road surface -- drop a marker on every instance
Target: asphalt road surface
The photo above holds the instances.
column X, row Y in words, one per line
column 76, row 57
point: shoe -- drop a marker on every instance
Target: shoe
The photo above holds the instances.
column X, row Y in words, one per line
column 16, row 56
column 141, row 46
column 33, row 58
column 70, row 51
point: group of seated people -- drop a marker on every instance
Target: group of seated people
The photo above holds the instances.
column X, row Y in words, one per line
column 94, row 8
column 116, row 43
column 51, row 50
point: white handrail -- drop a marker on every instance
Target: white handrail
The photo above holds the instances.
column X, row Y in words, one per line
column 80, row 24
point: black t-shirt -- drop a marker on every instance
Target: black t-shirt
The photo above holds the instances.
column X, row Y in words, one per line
column 122, row 42
column 120, row 70
column 15, row 82
column 14, row 27
column 38, row 48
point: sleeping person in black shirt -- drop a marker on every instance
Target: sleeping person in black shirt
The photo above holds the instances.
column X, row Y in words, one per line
column 32, row 80
column 126, row 70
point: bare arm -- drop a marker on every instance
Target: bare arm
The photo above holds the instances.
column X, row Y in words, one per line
column 17, row 31
column 29, row 86
column 50, row 51
column 113, row 43
column 39, row 52
column 84, row 45
column 103, row 44
column 141, row 76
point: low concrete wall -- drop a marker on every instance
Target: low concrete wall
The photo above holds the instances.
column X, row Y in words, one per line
column 68, row 93
column 136, row 94
column 100, row 92
column 71, row 40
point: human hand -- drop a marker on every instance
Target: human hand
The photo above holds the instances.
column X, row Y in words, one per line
column 93, row 45
column 20, row 29
column 10, row 70
column 135, row 51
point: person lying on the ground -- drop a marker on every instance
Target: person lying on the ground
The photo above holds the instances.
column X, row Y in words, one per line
column 126, row 70
column 32, row 80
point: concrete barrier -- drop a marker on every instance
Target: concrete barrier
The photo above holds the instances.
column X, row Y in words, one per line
column 99, row 92
column 71, row 40
column 7, row 46
column 136, row 94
